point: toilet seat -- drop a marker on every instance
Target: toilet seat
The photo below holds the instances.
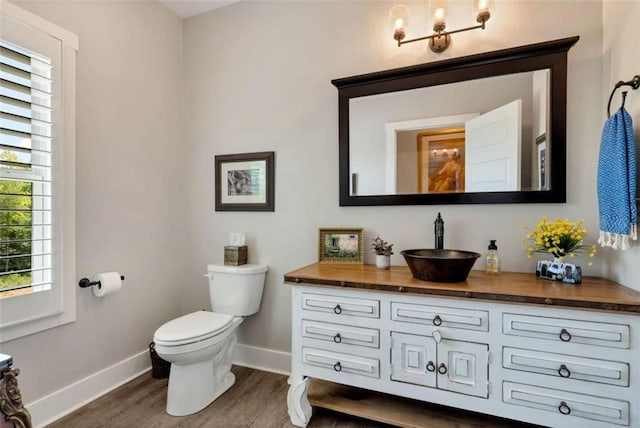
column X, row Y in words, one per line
column 191, row 328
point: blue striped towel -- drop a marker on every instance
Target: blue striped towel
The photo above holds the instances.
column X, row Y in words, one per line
column 617, row 182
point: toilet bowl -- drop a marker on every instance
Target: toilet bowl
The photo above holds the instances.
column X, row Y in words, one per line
column 200, row 345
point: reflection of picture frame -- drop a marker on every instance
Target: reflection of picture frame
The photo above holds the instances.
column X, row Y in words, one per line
column 541, row 144
column 441, row 161
column 244, row 182
column 343, row 245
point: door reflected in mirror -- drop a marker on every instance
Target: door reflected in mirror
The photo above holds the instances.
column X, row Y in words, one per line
column 473, row 136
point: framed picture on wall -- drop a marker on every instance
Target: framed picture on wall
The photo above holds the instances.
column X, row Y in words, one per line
column 541, row 144
column 244, row 182
column 340, row 245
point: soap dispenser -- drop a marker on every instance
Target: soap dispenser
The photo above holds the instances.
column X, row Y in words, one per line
column 492, row 265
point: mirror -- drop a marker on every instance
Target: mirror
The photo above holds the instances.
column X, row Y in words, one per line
column 487, row 128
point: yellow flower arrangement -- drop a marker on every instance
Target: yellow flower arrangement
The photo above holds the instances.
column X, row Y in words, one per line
column 560, row 238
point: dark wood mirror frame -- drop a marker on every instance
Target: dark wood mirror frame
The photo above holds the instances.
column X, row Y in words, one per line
column 551, row 55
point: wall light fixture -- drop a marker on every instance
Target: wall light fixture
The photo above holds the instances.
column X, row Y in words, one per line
column 440, row 40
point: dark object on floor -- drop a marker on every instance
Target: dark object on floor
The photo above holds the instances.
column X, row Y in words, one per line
column 160, row 368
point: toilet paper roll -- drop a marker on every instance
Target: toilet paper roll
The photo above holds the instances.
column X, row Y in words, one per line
column 110, row 282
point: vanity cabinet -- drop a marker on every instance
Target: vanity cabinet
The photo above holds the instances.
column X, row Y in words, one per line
column 512, row 345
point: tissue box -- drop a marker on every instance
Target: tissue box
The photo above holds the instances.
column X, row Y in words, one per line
column 235, row 255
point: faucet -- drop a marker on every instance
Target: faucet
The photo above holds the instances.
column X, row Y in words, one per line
column 438, row 230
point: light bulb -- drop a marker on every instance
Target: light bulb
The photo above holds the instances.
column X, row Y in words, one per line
column 483, row 4
column 439, row 12
column 399, row 18
column 482, row 7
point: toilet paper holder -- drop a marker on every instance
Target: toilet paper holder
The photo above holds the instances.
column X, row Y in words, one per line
column 86, row 282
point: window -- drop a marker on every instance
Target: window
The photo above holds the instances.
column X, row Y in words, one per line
column 25, row 171
column 37, row 187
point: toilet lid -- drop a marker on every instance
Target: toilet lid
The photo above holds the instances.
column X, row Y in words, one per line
column 192, row 327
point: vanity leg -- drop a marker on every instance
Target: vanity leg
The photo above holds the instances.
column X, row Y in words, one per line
column 12, row 411
column 297, row 402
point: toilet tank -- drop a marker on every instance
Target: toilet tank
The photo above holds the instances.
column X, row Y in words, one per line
column 236, row 290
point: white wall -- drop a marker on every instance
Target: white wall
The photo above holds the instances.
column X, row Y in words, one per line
column 621, row 61
column 129, row 185
column 257, row 77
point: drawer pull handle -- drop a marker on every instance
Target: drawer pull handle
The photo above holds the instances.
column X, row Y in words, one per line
column 563, row 371
column 337, row 309
column 337, row 338
column 437, row 321
column 565, row 336
column 442, row 369
column 564, row 409
column 431, row 367
column 337, row 367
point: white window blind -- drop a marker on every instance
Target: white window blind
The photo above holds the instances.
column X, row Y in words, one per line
column 25, row 171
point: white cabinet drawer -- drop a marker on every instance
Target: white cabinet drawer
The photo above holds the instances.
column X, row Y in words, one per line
column 341, row 305
column 438, row 316
column 339, row 362
column 339, row 333
column 566, row 330
column 566, row 366
column 568, row 404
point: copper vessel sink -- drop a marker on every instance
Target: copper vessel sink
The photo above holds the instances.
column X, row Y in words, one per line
column 440, row 265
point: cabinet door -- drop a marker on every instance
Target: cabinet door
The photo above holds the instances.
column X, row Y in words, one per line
column 463, row 367
column 413, row 359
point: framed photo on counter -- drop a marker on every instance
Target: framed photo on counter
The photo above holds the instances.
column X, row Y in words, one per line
column 340, row 245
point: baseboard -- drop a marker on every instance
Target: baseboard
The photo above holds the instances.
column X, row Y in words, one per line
column 263, row 359
column 64, row 401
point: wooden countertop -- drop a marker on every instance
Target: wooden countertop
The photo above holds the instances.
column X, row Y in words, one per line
column 593, row 293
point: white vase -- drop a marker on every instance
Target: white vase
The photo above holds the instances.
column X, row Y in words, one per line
column 383, row 261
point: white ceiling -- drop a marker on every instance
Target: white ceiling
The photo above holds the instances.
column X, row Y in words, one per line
column 187, row 8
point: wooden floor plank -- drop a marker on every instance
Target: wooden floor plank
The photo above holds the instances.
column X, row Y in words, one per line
column 257, row 400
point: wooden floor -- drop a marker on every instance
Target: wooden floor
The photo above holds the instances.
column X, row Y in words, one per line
column 257, row 400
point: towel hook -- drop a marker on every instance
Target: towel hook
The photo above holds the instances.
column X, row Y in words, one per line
column 634, row 83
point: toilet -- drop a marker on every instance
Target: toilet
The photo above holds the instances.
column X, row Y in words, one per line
column 200, row 345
